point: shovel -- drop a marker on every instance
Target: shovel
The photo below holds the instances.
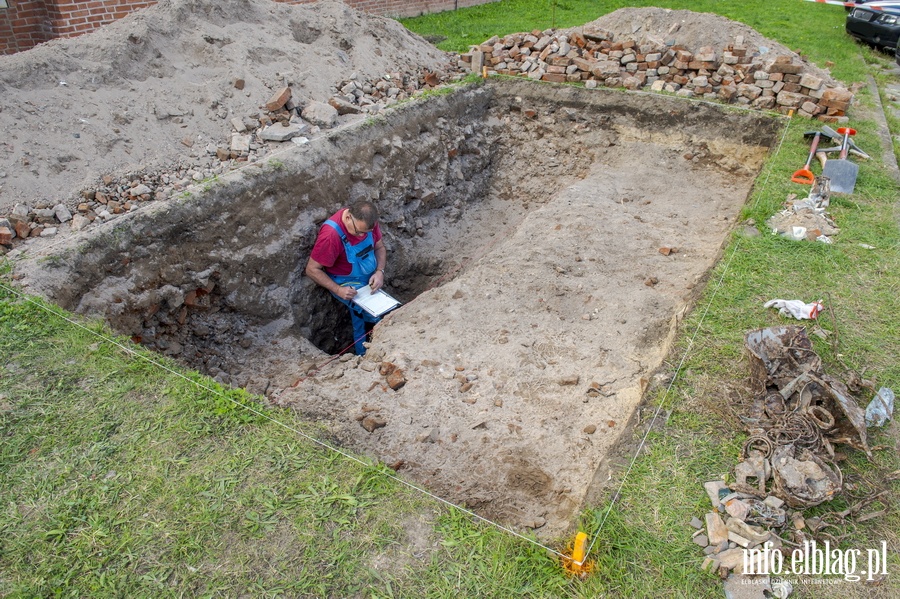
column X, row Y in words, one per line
column 842, row 172
column 804, row 175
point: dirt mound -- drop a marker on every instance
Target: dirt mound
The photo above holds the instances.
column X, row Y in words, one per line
column 158, row 86
column 683, row 27
column 693, row 30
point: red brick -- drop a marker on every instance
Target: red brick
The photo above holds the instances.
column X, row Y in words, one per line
column 554, row 77
column 22, row 229
column 278, row 99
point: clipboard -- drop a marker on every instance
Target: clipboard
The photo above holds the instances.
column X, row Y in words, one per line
column 377, row 304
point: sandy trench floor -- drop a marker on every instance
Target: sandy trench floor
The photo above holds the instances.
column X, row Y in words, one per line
column 524, row 370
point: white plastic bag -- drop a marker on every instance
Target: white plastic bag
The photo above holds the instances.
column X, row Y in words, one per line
column 796, row 308
column 881, row 408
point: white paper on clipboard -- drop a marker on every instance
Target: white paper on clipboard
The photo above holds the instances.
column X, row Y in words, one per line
column 376, row 303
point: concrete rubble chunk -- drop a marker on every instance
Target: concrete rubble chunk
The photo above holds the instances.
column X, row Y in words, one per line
column 344, row 107
column 282, row 132
column 240, row 143
column 238, row 125
column 736, row 508
column 731, row 558
column 716, row 530
column 79, row 222
column 139, row 190
column 62, row 213
column 321, row 114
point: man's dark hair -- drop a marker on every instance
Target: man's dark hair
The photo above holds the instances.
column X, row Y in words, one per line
column 365, row 211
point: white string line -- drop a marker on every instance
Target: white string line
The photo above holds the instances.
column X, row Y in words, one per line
column 684, row 356
column 278, row 422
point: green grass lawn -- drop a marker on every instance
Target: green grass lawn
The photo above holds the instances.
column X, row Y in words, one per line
column 124, row 475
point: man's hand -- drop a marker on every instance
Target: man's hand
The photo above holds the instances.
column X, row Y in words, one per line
column 376, row 281
column 346, row 292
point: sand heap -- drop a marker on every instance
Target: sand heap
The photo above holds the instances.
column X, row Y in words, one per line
column 155, row 89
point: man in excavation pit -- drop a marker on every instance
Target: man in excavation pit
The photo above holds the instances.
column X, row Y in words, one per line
column 350, row 254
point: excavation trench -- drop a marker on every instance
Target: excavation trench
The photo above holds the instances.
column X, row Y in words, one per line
column 546, row 241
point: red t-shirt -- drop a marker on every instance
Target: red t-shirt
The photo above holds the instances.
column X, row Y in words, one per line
column 329, row 249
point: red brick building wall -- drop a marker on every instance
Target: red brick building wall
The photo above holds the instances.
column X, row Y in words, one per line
column 26, row 23
column 23, row 25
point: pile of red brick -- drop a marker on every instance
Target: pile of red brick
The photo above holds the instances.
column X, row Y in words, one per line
column 734, row 74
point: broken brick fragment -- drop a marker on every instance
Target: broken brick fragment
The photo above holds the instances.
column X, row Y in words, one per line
column 395, row 379
column 386, row 368
column 279, row 99
column 372, row 423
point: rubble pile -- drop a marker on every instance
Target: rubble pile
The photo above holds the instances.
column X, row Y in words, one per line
column 109, row 198
column 284, row 117
column 806, row 219
column 736, row 73
column 788, row 463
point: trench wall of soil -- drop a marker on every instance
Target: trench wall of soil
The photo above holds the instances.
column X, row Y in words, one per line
column 239, row 242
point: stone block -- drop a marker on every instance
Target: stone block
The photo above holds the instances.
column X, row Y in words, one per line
column 22, row 228
column 282, row 131
column 705, row 54
column 605, row 68
column 764, row 103
column 792, row 69
column 811, row 81
column 477, row 61
column 321, row 114
column 836, row 94
column 542, row 43
column 632, row 82
column 583, row 64
column 240, row 143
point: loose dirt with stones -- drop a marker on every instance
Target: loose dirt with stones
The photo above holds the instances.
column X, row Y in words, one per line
column 546, row 240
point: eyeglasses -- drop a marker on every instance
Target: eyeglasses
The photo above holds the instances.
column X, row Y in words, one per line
column 356, row 231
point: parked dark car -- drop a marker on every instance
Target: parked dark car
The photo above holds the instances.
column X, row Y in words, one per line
column 875, row 23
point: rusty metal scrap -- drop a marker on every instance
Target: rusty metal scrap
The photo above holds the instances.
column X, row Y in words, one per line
column 799, row 413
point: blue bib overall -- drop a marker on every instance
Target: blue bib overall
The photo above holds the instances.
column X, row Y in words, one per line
column 363, row 262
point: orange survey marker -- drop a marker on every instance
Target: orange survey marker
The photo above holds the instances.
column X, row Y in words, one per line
column 577, row 565
column 804, row 175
